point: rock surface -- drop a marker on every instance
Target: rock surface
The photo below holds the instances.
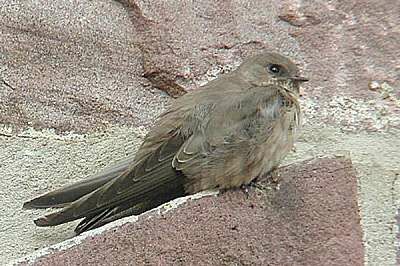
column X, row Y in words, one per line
column 311, row 218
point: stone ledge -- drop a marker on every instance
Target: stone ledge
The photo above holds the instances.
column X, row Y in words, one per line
column 311, row 218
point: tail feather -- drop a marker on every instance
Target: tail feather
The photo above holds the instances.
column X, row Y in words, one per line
column 133, row 206
column 94, row 221
column 63, row 196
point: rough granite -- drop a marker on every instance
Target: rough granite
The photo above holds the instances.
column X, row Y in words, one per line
column 310, row 218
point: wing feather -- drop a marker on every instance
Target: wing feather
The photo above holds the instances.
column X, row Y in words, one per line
column 146, row 179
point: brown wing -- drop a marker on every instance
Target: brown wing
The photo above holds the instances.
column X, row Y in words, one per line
column 144, row 185
column 131, row 188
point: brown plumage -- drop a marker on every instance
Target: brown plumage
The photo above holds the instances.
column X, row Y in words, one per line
column 225, row 134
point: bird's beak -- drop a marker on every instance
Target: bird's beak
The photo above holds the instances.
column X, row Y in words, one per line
column 300, row 79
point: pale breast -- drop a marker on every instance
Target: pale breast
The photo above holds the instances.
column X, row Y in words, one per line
column 240, row 162
column 279, row 143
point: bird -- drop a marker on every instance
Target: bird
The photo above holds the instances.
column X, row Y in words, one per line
column 223, row 135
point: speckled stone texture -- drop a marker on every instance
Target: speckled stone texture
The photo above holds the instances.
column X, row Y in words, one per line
column 67, row 66
column 312, row 219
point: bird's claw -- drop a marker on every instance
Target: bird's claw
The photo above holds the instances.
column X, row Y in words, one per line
column 246, row 188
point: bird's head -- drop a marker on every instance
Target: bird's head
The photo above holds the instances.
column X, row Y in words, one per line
column 272, row 68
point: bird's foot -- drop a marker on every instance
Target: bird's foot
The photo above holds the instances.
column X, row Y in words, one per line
column 274, row 175
column 246, row 188
column 267, row 181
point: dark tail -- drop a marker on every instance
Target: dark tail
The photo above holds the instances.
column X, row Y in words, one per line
column 61, row 197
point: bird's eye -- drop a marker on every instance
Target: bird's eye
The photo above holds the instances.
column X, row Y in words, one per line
column 275, row 69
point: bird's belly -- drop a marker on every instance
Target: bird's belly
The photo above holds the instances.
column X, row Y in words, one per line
column 256, row 159
column 278, row 145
